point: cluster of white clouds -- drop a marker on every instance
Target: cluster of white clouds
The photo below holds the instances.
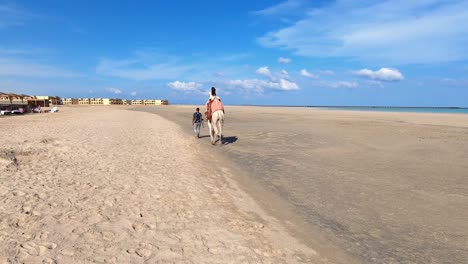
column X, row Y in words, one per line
column 384, row 74
column 279, row 81
column 387, row 31
column 260, row 86
column 284, row 60
column 185, row 86
column 114, row 90
column 307, row 74
column 264, row 71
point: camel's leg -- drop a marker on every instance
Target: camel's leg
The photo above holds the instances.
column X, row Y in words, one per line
column 213, row 134
column 221, row 125
column 210, row 128
column 215, row 123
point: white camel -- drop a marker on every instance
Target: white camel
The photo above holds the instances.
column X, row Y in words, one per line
column 215, row 125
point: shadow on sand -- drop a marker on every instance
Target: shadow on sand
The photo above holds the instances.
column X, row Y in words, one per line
column 229, row 140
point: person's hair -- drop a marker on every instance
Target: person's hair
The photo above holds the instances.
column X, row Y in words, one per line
column 198, row 109
column 213, row 91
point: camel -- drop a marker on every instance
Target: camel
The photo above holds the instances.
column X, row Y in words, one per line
column 215, row 126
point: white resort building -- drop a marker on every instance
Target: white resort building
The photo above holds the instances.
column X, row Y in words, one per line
column 111, row 101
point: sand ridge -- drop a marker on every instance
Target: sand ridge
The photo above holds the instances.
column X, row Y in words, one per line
column 94, row 185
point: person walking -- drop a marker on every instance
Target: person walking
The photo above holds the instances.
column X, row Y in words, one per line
column 196, row 122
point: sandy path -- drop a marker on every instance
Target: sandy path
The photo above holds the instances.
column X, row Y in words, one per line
column 92, row 185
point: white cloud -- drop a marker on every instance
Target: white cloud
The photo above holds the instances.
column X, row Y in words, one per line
column 284, row 60
column 185, row 86
column 286, row 85
column 343, row 84
column 397, row 32
column 263, row 71
column 259, row 86
column 23, row 68
column 133, row 93
column 384, row 74
column 307, row 74
column 283, row 74
column 114, row 90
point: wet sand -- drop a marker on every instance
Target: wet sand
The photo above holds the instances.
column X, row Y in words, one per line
column 383, row 187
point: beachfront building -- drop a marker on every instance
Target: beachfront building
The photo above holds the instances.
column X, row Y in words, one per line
column 17, row 99
column 155, row 102
column 38, row 101
column 99, row 101
column 116, row 101
column 83, row 101
column 67, row 101
column 137, row 102
column 28, row 98
column 54, row 100
column 4, row 99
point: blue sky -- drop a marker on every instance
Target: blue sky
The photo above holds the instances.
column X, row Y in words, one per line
column 294, row 52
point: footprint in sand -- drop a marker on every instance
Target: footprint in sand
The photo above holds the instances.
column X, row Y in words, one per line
column 141, row 227
column 18, row 193
column 143, row 252
column 30, row 248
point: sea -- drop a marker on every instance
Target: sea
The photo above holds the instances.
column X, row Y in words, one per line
column 445, row 110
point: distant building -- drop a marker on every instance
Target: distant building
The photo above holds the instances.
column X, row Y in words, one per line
column 46, row 100
column 99, row 101
column 137, row 102
column 155, row 102
column 4, row 99
column 21, row 100
column 116, row 101
column 67, row 101
column 17, row 99
column 83, row 101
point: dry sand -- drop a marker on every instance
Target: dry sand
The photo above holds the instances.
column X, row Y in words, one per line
column 384, row 187
column 104, row 184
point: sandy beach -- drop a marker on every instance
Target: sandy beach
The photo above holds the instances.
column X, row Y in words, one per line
column 108, row 185
column 290, row 185
column 382, row 187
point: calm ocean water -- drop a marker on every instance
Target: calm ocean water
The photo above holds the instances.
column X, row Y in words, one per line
column 447, row 110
